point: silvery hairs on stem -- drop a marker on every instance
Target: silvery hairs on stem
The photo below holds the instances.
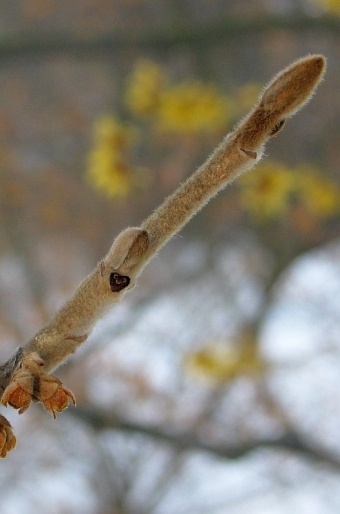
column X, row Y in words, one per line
column 24, row 377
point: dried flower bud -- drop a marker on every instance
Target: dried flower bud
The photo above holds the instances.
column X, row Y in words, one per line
column 7, row 438
column 30, row 383
column 16, row 397
column 53, row 396
column 19, row 392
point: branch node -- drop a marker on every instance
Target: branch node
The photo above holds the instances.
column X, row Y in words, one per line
column 249, row 153
column 77, row 339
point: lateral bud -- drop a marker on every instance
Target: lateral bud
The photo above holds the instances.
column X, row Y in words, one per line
column 118, row 282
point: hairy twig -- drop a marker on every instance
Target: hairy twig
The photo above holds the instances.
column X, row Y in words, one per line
column 24, row 377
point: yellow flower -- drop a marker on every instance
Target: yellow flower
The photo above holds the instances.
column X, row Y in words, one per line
column 193, row 107
column 320, row 195
column 332, row 6
column 216, row 362
column 222, row 363
column 108, row 169
column 265, row 193
column 144, row 88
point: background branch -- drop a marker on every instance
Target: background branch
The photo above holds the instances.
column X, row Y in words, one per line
column 290, row 441
column 178, row 33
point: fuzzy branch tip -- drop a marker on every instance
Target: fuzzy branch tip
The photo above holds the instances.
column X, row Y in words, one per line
column 292, row 87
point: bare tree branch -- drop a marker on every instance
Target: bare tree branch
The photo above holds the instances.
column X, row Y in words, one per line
column 290, row 441
column 177, row 33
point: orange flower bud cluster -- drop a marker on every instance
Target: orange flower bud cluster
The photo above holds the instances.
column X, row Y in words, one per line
column 7, row 438
column 30, row 383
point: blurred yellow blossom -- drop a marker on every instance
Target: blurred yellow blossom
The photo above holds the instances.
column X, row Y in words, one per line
column 193, row 106
column 272, row 188
column 222, row 363
column 144, row 88
column 320, row 195
column 332, row 6
column 265, row 193
column 214, row 362
column 108, row 169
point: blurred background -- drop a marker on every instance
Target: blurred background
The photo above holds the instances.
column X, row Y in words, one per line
column 214, row 386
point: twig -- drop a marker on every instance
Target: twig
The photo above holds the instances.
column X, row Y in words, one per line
column 24, row 377
column 196, row 36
